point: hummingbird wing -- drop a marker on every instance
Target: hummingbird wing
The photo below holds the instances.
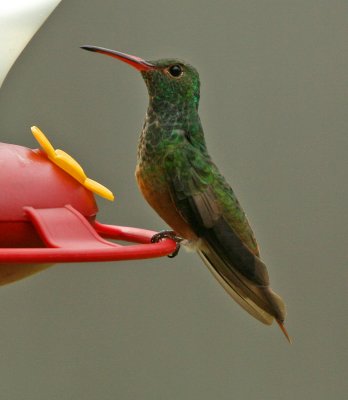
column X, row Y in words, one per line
column 227, row 245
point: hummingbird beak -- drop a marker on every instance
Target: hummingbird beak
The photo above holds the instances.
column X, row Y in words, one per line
column 136, row 62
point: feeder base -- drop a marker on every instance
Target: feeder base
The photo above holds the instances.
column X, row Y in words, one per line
column 10, row 273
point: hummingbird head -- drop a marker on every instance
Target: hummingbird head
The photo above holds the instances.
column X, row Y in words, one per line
column 172, row 81
column 168, row 80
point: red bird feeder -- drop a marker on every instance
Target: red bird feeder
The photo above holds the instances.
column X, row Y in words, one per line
column 48, row 215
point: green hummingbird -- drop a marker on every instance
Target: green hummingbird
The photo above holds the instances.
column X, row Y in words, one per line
column 179, row 180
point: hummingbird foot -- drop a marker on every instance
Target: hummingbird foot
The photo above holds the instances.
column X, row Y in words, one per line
column 170, row 235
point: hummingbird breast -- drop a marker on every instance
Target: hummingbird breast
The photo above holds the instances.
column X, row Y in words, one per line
column 159, row 140
column 158, row 196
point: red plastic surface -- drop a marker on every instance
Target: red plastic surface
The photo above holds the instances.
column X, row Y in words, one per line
column 50, row 232
column 29, row 178
column 69, row 237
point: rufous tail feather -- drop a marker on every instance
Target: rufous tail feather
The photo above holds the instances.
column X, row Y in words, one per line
column 283, row 329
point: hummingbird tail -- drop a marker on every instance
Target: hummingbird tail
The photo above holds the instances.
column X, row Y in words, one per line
column 259, row 301
column 283, row 329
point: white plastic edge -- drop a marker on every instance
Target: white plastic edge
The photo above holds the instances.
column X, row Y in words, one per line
column 19, row 20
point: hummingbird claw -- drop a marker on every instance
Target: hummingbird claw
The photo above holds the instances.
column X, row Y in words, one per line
column 170, row 235
column 175, row 252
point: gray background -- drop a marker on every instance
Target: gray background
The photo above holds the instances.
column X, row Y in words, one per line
column 274, row 108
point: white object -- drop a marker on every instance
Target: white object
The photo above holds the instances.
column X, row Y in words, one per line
column 19, row 20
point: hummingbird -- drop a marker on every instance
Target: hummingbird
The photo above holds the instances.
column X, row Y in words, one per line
column 180, row 181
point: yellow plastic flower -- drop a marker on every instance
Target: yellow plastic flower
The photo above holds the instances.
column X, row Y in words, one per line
column 70, row 165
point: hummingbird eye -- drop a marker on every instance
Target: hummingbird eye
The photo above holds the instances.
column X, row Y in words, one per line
column 175, row 70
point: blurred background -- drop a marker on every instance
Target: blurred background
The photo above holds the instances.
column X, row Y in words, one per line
column 274, row 109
